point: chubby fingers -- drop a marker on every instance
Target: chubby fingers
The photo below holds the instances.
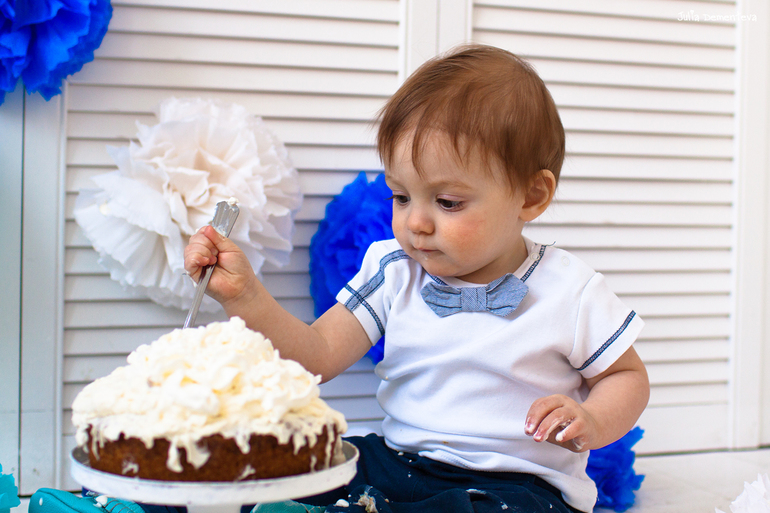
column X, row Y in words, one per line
column 556, row 419
column 202, row 250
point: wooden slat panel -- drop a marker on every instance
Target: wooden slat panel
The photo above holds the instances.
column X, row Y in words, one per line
column 678, row 305
column 84, row 261
column 221, row 50
column 565, row 47
column 623, row 75
column 643, row 9
column 652, row 260
column 588, row 143
column 93, row 154
column 689, row 395
column 312, row 210
column 644, row 191
column 645, row 167
column 349, row 384
column 266, row 26
column 143, row 101
column 670, row 283
column 68, row 444
column 182, row 75
column 688, row 372
column 666, row 351
column 115, row 130
column 378, row 10
column 584, row 237
column 102, row 288
column 109, row 341
column 686, row 328
column 147, row 314
column 322, row 182
column 625, row 214
column 636, row 99
column 628, row 121
column 85, row 369
column 525, row 19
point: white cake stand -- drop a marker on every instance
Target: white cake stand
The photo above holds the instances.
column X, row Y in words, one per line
column 214, row 497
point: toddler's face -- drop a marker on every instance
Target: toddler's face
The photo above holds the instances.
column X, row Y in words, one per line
column 457, row 219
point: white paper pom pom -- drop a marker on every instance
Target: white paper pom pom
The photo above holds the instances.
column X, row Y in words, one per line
column 140, row 217
column 755, row 497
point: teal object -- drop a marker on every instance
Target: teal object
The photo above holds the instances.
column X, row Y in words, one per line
column 9, row 493
column 48, row 500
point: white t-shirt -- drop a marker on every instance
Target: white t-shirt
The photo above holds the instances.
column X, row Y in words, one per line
column 457, row 389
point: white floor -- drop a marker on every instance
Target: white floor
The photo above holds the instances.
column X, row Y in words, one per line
column 695, row 483
column 687, row 483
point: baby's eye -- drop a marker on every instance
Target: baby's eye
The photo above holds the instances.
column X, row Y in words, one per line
column 400, row 199
column 448, row 204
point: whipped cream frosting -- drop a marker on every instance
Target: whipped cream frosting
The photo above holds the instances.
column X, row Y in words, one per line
column 192, row 383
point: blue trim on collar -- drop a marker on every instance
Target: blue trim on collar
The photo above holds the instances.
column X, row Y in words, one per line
column 534, row 264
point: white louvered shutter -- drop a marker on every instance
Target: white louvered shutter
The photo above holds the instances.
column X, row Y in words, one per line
column 315, row 70
column 646, row 194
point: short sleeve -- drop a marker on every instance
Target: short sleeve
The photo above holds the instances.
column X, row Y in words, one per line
column 369, row 294
column 605, row 329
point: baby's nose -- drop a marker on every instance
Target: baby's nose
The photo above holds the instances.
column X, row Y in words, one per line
column 419, row 221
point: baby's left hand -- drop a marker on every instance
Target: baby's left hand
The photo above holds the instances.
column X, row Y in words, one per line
column 560, row 420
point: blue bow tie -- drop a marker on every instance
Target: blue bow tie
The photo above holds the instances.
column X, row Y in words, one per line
column 500, row 297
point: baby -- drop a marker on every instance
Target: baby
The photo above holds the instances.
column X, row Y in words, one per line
column 505, row 360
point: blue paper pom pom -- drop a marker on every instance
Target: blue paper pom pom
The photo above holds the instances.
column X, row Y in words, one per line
column 44, row 42
column 612, row 469
column 9, row 493
column 359, row 215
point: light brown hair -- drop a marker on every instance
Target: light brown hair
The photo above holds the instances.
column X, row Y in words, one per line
column 483, row 98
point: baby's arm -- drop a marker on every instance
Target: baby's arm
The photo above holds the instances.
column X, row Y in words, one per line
column 616, row 399
column 330, row 345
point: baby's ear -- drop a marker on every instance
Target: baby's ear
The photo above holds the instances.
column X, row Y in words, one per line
column 539, row 195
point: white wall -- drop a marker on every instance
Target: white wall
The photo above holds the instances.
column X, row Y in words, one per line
column 662, row 128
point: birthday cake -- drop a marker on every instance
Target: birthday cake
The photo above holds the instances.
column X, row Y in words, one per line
column 214, row 403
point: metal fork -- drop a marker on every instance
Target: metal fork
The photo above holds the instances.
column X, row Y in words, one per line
column 224, row 219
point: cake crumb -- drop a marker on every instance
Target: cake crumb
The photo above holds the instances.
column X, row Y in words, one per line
column 368, row 502
column 342, row 503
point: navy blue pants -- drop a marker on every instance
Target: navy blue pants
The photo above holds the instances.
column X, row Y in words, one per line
column 407, row 483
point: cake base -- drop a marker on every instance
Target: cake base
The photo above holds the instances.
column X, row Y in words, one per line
column 214, row 497
column 267, row 459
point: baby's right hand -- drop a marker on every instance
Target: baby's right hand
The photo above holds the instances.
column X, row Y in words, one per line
column 233, row 273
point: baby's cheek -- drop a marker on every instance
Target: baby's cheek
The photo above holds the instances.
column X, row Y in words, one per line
column 470, row 232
